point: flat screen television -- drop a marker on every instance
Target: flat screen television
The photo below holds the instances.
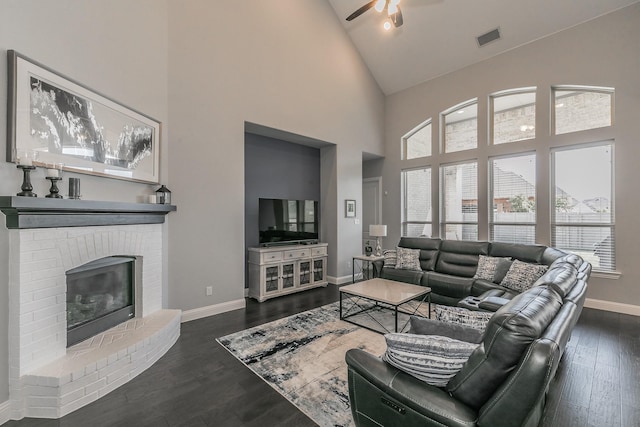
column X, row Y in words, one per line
column 285, row 221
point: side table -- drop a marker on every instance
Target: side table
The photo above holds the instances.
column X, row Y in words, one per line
column 364, row 265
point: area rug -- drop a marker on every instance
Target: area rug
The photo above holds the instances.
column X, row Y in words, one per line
column 302, row 357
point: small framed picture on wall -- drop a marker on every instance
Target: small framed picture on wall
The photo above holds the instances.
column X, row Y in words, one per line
column 350, row 208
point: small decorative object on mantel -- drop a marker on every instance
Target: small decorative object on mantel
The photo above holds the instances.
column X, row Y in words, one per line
column 54, row 174
column 74, row 188
column 163, row 196
column 26, row 181
column 25, row 162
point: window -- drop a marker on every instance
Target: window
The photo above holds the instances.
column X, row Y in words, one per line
column 417, row 143
column 512, row 217
column 416, row 212
column 459, row 189
column 514, row 116
column 460, row 125
column 581, row 109
column 583, row 220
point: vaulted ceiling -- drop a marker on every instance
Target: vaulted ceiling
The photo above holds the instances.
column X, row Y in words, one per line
column 439, row 36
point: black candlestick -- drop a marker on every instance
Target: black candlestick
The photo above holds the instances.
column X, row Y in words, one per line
column 53, row 191
column 26, row 182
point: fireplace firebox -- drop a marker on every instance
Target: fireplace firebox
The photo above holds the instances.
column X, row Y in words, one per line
column 100, row 295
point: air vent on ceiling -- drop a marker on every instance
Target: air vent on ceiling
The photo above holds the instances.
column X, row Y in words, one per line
column 488, row 37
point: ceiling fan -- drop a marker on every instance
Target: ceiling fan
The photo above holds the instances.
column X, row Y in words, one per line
column 392, row 7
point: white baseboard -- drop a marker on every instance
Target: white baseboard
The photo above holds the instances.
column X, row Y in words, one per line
column 5, row 414
column 199, row 313
column 616, row 307
column 343, row 280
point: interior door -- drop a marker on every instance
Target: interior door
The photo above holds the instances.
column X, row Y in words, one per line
column 371, row 207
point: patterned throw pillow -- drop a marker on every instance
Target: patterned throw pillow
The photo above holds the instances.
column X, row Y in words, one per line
column 390, row 258
column 408, row 259
column 488, row 267
column 462, row 316
column 430, row 358
column 522, row 275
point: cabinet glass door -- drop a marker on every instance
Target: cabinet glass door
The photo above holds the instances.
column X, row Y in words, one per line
column 271, row 279
column 288, row 276
column 318, row 270
column 305, row 273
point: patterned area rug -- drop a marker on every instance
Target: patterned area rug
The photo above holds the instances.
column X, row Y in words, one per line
column 302, row 357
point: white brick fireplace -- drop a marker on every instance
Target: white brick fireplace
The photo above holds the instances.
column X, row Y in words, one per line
column 47, row 379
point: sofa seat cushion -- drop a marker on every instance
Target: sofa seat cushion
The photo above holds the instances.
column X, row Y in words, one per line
column 462, row 316
column 406, row 276
column 449, row 285
column 509, row 333
column 430, row 358
column 522, row 275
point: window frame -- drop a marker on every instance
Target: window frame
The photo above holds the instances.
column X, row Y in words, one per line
column 408, row 135
column 490, row 194
column 509, row 92
column 554, row 224
column 443, row 125
column 595, row 89
column 404, row 221
column 443, row 211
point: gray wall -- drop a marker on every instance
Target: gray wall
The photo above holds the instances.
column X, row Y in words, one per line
column 117, row 47
column 602, row 52
column 275, row 169
column 290, row 67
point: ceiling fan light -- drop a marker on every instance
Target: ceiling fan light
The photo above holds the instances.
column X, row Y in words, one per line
column 380, row 4
column 386, row 25
column 393, row 8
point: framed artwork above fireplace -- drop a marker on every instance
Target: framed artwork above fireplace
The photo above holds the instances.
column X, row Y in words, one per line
column 55, row 122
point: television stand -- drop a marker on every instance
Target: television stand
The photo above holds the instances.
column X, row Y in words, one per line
column 280, row 270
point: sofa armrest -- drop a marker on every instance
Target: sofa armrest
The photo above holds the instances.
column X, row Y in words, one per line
column 424, row 326
column 405, row 400
column 493, row 303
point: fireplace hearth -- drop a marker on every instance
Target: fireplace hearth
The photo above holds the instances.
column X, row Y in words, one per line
column 100, row 295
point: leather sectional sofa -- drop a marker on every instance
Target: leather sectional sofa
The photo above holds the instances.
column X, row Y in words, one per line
column 506, row 379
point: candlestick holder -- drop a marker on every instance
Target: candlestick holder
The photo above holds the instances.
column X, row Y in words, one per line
column 26, row 181
column 54, row 190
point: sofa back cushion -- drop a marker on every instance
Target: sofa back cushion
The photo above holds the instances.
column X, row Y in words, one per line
column 428, row 249
column 509, row 333
column 561, row 278
column 526, row 253
column 460, row 258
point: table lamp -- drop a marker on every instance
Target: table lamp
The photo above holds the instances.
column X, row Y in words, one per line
column 378, row 231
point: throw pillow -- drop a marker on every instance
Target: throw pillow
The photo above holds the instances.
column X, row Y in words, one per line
column 462, row 316
column 390, row 258
column 408, row 259
column 488, row 267
column 430, row 358
column 522, row 275
column 501, row 270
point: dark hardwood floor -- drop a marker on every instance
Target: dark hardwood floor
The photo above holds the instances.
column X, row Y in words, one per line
column 198, row 383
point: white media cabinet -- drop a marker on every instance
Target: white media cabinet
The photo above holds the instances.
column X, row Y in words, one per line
column 281, row 270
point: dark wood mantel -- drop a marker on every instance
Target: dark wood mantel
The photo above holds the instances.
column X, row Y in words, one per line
column 40, row 212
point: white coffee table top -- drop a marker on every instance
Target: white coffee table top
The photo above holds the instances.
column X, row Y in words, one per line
column 387, row 291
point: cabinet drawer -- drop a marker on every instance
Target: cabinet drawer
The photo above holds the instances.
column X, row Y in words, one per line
column 271, row 256
column 319, row 251
column 298, row 253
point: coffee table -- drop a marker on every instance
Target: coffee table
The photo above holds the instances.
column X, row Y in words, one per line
column 385, row 295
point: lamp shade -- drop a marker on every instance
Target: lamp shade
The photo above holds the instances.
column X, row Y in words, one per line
column 377, row 230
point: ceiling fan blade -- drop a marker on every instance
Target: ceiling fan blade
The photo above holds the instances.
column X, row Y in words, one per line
column 362, row 10
column 396, row 18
